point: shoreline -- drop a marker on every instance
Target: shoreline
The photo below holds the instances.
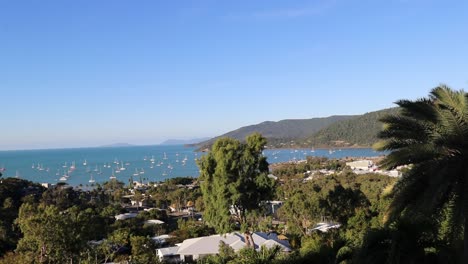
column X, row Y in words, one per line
column 323, row 148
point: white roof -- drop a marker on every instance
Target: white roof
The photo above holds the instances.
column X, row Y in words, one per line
column 210, row 244
column 206, row 245
column 359, row 163
column 324, row 227
column 272, row 243
column 154, row 222
column 169, row 251
column 161, row 239
column 125, row 216
column 271, row 176
column 274, row 202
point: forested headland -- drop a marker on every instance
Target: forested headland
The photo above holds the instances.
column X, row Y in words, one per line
column 329, row 132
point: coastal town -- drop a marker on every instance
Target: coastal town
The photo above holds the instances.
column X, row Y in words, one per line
column 170, row 214
column 233, row 132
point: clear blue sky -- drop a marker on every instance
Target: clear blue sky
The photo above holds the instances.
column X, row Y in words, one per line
column 87, row 73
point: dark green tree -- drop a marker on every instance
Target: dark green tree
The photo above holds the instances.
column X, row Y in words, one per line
column 342, row 203
column 55, row 236
column 430, row 135
column 234, row 174
column 143, row 250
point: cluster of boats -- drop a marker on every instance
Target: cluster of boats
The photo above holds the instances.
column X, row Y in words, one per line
column 115, row 167
column 299, row 154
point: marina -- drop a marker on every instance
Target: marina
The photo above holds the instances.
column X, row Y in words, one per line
column 85, row 166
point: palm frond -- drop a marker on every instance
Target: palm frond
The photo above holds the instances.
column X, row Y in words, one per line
column 421, row 109
column 432, row 134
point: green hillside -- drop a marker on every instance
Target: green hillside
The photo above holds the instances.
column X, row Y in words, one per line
column 334, row 131
column 357, row 132
column 281, row 131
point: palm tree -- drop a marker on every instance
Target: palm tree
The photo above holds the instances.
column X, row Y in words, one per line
column 431, row 136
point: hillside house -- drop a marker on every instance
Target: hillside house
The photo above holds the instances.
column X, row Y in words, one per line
column 196, row 248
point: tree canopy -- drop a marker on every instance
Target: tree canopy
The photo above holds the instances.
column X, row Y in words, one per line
column 234, row 175
column 430, row 135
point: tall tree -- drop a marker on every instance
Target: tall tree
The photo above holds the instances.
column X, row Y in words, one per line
column 234, row 174
column 430, row 135
column 56, row 236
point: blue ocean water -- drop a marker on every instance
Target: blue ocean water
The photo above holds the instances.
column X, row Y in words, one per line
column 147, row 163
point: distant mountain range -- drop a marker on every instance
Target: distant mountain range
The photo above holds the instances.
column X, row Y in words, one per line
column 116, row 145
column 183, row 141
column 333, row 131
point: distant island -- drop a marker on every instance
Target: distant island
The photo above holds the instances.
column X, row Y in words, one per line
column 117, row 145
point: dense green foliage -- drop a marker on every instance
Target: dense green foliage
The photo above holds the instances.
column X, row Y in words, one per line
column 56, row 225
column 431, row 134
column 234, row 174
column 13, row 192
column 361, row 131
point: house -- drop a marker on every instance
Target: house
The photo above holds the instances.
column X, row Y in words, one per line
column 136, row 203
column 273, row 206
column 169, row 254
column 154, row 222
column 360, row 165
column 125, row 216
column 196, row 248
column 325, row 226
column 162, row 239
column 271, row 176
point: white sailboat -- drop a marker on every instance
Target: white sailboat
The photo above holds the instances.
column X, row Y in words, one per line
column 142, row 171
column 85, row 163
column 136, row 173
column 64, row 176
column 122, row 166
column 91, row 180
